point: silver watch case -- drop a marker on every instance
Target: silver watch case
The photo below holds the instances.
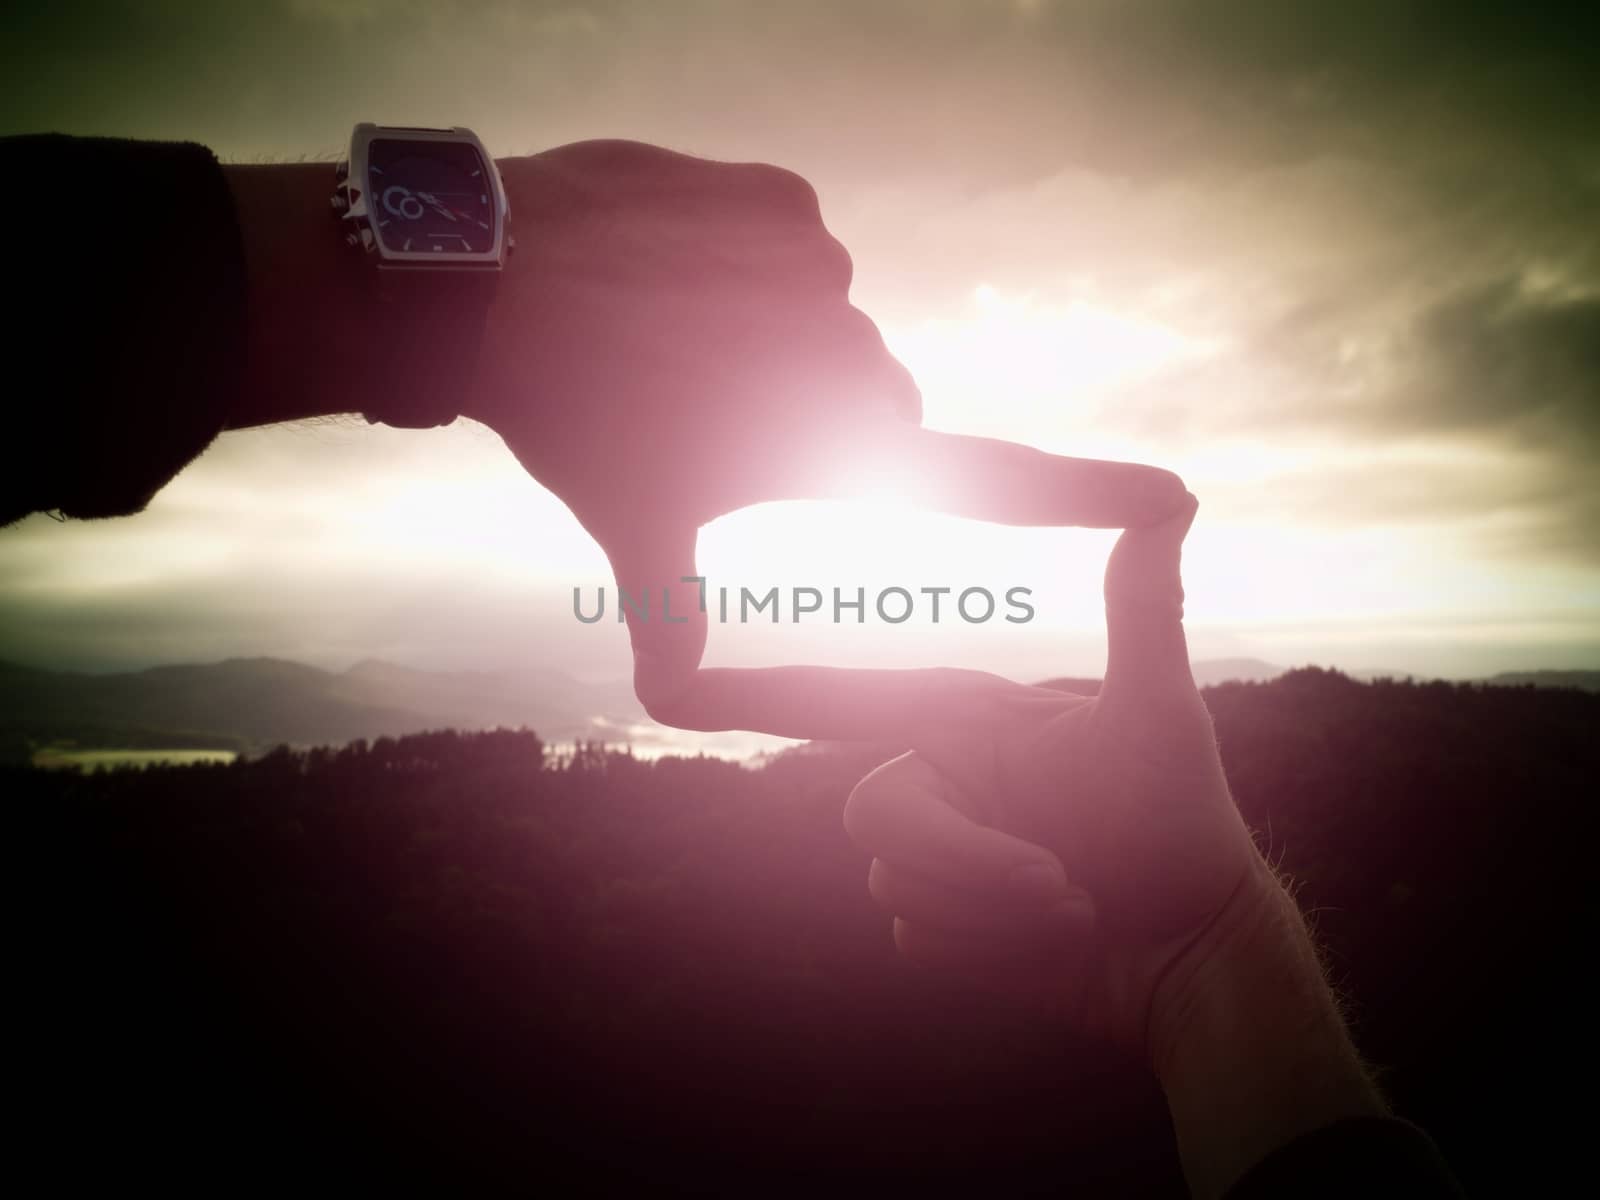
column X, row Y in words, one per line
column 350, row 205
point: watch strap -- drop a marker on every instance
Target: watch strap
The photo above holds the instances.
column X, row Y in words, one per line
column 428, row 339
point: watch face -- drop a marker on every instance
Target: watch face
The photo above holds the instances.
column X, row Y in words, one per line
column 430, row 196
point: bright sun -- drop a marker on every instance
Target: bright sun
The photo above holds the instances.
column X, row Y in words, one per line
column 1006, row 366
column 1007, row 361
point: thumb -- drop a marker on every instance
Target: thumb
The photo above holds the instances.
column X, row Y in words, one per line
column 661, row 596
column 1147, row 654
column 902, row 813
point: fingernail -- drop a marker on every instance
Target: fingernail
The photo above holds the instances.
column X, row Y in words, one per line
column 1037, row 882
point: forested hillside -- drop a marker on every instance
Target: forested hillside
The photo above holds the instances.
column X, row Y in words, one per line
column 252, row 704
column 458, row 953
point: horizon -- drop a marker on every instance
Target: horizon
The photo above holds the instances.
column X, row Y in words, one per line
column 573, row 711
column 1206, row 670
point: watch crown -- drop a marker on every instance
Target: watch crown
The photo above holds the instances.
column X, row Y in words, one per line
column 339, row 202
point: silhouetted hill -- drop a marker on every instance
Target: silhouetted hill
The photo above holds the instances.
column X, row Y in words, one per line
column 250, row 705
column 1227, row 670
column 1207, row 672
column 253, row 704
column 597, row 975
column 1587, row 681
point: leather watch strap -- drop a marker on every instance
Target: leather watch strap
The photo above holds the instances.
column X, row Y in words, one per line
column 428, row 339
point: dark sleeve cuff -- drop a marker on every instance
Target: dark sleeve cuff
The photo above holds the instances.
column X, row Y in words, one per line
column 1365, row 1156
column 130, row 283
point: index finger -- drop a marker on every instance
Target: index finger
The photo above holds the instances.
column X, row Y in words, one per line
column 1013, row 484
column 986, row 479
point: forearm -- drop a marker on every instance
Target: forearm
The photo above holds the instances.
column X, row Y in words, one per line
column 128, row 340
column 1249, row 1044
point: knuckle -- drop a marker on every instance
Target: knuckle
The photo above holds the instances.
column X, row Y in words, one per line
column 666, row 693
column 786, row 192
column 660, row 693
column 784, row 198
column 834, row 264
column 664, row 710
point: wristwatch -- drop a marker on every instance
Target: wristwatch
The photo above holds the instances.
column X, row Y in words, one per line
column 425, row 212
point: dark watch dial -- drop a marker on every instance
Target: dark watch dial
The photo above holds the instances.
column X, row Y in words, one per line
column 430, row 196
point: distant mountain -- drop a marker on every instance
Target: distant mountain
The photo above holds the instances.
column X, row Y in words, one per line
column 1584, row 681
column 1207, row 673
column 1234, row 670
column 252, row 704
column 1210, row 672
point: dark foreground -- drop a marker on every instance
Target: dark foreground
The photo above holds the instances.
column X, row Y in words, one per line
column 453, row 957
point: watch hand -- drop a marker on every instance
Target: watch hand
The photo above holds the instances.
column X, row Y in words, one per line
column 435, row 202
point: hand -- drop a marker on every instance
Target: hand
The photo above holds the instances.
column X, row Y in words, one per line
column 1086, row 854
column 672, row 341
column 1116, row 804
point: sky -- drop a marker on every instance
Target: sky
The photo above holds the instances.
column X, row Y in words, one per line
column 1337, row 264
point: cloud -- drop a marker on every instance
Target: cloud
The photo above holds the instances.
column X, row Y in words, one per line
column 327, row 619
column 1496, row 360
column 1481, row 407
column 1382, row 214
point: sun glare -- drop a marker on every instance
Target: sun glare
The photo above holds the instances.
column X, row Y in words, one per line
column 1006, row 360
column 1009, row 366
